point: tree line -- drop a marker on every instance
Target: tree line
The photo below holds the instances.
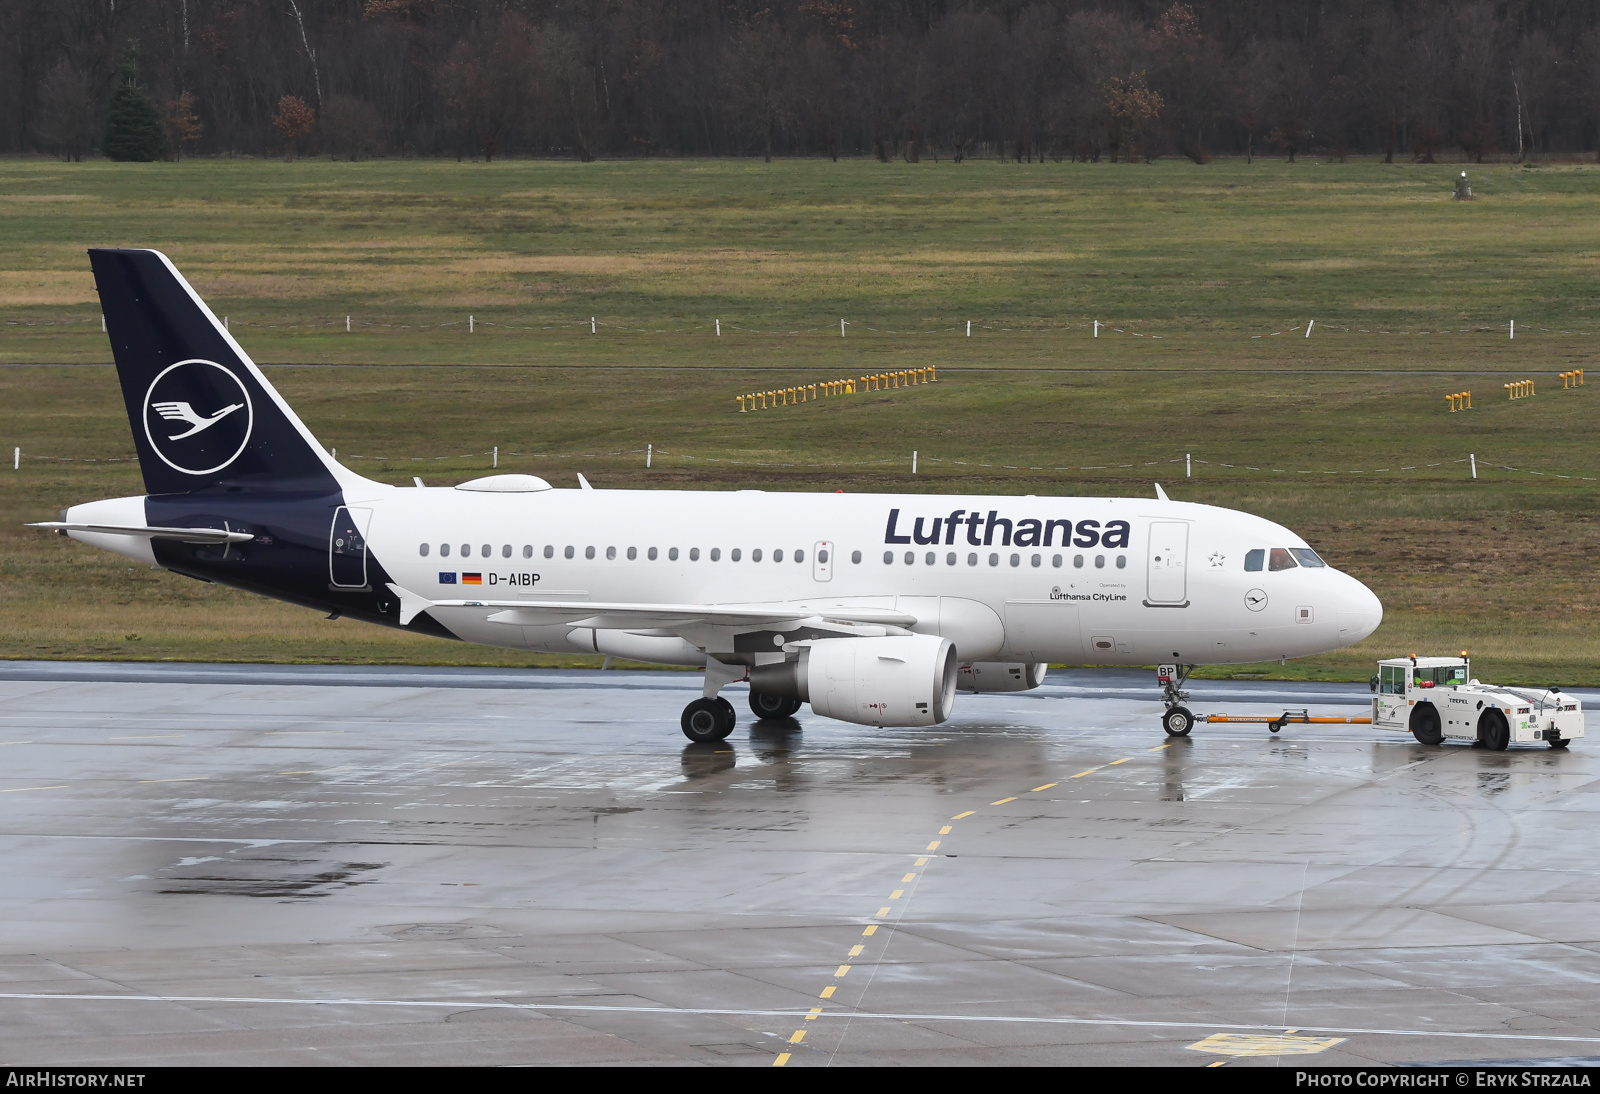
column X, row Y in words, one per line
column 1033, row 80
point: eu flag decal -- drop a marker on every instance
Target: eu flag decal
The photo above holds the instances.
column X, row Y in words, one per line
column 447, row 578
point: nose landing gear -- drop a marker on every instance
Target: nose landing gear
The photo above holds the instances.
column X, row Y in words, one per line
column 1177, row 720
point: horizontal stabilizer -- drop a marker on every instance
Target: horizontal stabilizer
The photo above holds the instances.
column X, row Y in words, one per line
column 182, row 535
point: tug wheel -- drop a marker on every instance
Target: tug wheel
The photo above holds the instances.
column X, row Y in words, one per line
column 1425, row 724
column 1177, row 721
column 1494, row 731
column 1561, row 743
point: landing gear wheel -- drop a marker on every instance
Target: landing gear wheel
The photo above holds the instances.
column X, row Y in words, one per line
column 1177, row 721
column 767, row 706
column 1494, row 731
column 1425, row 725
column 706, row 720
column 1561, row 743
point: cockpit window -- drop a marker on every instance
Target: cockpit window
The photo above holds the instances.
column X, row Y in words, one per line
column 1305, row 556
column 1254, row 560
column 1281, row 560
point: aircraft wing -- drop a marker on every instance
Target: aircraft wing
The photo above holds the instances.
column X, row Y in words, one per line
column 625, row 616
column 182, row 535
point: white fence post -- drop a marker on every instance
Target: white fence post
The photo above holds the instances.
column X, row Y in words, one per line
column 969, row 328
column 1309, row 326
column 1097, row 328
column 102, row 322
column 472, row 325
column 1513, row 328
column 1473, row 456
column 225, row 323
column 649, row 453
column 841, row 328
column 347, row 324
column 1188, row 465
column 913, row 461
column 16, row 459
column 497, row 457
column 591, row 325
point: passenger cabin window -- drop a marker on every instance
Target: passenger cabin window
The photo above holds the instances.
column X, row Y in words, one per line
column 673, row 554
column 1305, row 556
column 855, row 556
column 444, row 550
column 716, row 554
column 1255, row 560
column 1281, row 560
column 424, row 550
column 755, row 555
column 505, row 551
column 527, row 550
column 733, row 555
column 799, row 556
column 550, row 550
column 651, row 554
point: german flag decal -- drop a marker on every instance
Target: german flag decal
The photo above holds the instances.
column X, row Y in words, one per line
column 472, row 579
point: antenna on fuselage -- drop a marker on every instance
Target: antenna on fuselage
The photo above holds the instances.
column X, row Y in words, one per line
column 583, row 483
column 1161, row 494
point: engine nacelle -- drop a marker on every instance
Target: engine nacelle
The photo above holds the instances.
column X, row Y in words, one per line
column 905, row 680
column 982, row 676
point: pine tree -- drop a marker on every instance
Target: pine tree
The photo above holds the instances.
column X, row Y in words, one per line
column 133, row 127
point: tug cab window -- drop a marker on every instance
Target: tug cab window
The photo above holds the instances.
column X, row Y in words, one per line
column 1450, row 675
column 1281, row 560
column 1391, row 679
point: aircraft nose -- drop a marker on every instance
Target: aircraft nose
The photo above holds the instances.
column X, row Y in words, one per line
column 1360, row 611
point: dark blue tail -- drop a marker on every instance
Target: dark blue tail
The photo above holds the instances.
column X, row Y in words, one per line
column 204, row 418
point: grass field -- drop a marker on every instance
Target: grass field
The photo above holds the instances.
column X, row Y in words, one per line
column 1206, row 276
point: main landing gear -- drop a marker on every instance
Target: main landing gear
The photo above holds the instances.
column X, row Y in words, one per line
column 768, row 707
column 1177, row 720
column 711, row 717
column 709, row 720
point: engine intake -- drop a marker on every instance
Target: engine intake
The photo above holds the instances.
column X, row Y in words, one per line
column 905, row 680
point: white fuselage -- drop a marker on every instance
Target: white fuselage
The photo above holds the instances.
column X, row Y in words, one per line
column 1172, row 587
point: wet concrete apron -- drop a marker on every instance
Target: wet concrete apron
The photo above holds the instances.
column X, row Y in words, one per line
column 225, row 864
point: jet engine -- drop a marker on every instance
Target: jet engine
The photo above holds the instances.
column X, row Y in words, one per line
column 982, row 676
column 905, row 680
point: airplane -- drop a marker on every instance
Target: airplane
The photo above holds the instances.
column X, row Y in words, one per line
column 873, row 608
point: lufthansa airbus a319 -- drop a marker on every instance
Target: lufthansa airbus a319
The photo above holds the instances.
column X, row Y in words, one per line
column 872, row 608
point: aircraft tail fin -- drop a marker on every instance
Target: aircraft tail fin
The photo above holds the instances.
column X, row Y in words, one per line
column 203, row 415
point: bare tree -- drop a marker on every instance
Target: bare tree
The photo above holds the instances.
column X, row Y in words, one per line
column 351, row 128
column 182, row 124
column 66, row 123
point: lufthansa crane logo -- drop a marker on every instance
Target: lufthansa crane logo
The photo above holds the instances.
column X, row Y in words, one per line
column 198, row 417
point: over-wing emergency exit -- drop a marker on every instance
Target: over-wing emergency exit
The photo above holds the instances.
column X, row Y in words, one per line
column 870, row 608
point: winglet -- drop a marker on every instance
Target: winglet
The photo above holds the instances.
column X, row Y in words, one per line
column 411, row 605
column 1161, row 494
column 583, row 483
